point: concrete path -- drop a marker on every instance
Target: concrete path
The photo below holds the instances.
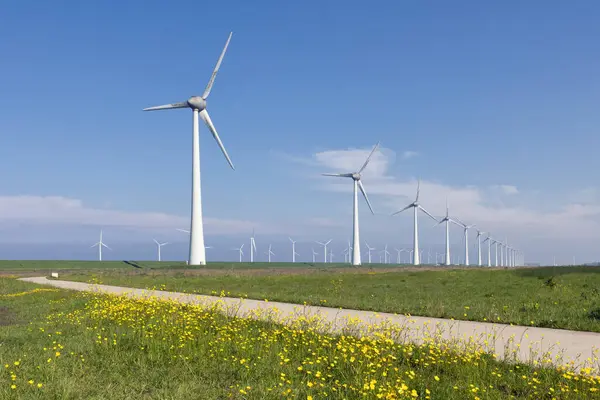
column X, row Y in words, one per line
column 527, row 344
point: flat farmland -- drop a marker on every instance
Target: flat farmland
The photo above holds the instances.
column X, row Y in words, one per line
column 553, row 297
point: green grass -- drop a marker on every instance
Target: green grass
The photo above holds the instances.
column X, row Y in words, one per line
column 562, row 297
column 85, row 346
column 57, row 265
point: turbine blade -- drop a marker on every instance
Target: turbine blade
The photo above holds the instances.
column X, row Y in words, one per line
column 339, row 175
column 427, row 212
column 418, row 189
column 183, row 104
column 206, row 118
column 156, row 241
column 106, row 246
column 183, row 230
column 404, row 209
column 94, row 245
column 368, row 158
column 329, row 241
column 457, row 223
column 214, row 74
column 362, row 189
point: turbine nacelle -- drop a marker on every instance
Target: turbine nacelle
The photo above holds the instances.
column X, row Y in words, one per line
column 355, row 176
column 196, row 103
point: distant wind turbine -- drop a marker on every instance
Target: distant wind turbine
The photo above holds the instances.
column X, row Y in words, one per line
column 386, row 254
column 478, row 237
column 100, row 244
column 466, row 239
column 240, row 250
column 447, row 220
column 198, row 106
column 159, row 246
column 294, row 254
column 356, row 176
column 490, row 240
column 314, row 254
column 324, row 248
column 252, row 247
column 416, row 207
column 269, row 253
column 369, row 250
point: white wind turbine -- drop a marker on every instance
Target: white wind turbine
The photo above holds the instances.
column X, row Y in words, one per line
column 357, row 185
column 489, row 239
column 252, row 247
column 447, row 220
column 466, row 238
column 294, row 254
column 416, row 207
column 386, row 254
column 159, row 246
column 100, row 244
column 314, row 254
column 269, row 253
column 324, row 249
column 478, row 237
column 399, row 252
column 369, row 250
column 198, row 106
column 240, row 250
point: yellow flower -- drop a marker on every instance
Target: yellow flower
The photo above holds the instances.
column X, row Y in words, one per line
column 39, row 385
column 437, row 378
column 30, row 382
column 309, row 398
column 13, row 386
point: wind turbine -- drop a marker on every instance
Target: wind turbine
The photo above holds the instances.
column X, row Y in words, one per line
column 479, row 233
column 269, row 253
column 398, row 251
column 356, row 176
column 447, row 220
column 198, row 106
column 466, row 228
column 369, row 250
column 293, row 250
column 252, row 247
column 314, row 253
column 100, row 244
column 489, row 257
column 159, row 246
column 416, row 207
column 240, row 250
column 325, row 248
column 386, row 254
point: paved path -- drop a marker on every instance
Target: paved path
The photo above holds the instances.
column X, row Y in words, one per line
column 526, row 343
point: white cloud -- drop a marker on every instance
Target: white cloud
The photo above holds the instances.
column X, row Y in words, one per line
column 472, row 204
column 67, row 211
column 506, row 189
column 409, row 154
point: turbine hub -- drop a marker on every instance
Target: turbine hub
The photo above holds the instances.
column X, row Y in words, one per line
column 356, row 176
column 197, row 103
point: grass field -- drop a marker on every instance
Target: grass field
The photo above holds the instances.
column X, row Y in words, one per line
column 562, row 297
column 7, row 266
column 65, row 345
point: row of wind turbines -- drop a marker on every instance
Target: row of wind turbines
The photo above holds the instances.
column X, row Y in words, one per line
column 197, row 252
column 509, row 256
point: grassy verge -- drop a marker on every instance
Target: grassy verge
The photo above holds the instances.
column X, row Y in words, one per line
column 564, row 297
column 71, row 346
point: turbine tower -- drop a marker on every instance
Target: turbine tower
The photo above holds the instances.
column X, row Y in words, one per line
column 369, row 250
column 357, row 185
column 489, row 240
column 159, row 246
column 325, row 248
column 252, row 247
column 270, row 253
column 479, row 233
column 198, row 106
column 466, row 228
column 293, row 250
column 100, row 244
column 416, row 207
column 447, row 220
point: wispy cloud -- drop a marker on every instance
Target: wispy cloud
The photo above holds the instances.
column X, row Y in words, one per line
column 68, row 211
column 409, row 154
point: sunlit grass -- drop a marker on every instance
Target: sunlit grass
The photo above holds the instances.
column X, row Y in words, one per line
column 565, row 297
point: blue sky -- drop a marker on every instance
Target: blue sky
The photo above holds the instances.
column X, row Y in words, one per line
column 496, row 103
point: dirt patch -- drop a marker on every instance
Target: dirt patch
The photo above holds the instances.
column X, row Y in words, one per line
column 6, row 316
